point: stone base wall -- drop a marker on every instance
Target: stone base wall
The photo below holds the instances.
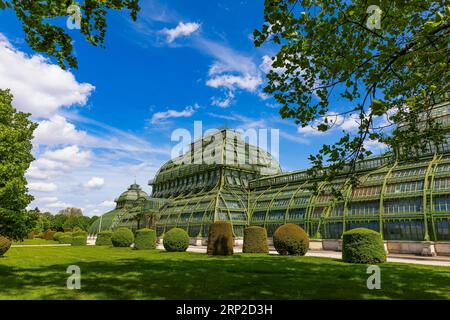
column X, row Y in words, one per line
column 423, row 248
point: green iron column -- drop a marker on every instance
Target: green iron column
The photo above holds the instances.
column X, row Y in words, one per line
column 382, row 192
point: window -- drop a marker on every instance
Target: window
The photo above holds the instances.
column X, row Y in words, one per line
column 298, row 213
column 403, row 205
column 259, row 216
column 280, row 202
column 364, row 208
column 366, row 191
column 440, row 184
column 441, row 202
column 238, row 216
column 405, row 187
column 276, row 215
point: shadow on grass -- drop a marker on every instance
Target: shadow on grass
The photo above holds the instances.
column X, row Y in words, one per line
column 242, row 276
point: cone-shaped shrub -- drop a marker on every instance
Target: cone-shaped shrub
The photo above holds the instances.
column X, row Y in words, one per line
column 255, row 240
column 176, row 240
column 104, row 238
column 122, row 237
column 220, row 239
column 5, row 244
column 363, row 245
column 290, row 239
column 145, row 239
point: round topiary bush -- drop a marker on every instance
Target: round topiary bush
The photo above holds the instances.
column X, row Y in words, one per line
column 104, row 238
column 5, row 244
column 220, row 239
column 66, row 238
column 122, row 237
column 176, row 240
column 255, row 240
column 57, row 235
column 79, row 241
column 363, row 245
column 290, row 239
column 145, row 239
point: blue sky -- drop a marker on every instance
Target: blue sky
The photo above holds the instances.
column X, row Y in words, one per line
column 110, row 121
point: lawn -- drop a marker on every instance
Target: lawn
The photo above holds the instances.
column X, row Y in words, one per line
column 122, row 273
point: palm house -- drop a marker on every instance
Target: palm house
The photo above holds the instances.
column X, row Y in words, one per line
column 407, row 202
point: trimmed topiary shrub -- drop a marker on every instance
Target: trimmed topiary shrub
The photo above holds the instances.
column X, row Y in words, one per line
column 79, row 232
column 220, row 239
column 5, row 244
column 66, row 238
column 290, row 239
column 363, row 245
column 40, row 235
column 255, row 240
column 104, row 238
column 122, row 237
column 145, row 239
column 57, row 235
column 176, row 240
column 30, row 235
column 49, row 234
column 79, row 241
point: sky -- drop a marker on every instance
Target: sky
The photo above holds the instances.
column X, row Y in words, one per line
column 109, row 122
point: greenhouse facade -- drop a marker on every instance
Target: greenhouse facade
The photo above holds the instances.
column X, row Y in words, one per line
column 407, row 202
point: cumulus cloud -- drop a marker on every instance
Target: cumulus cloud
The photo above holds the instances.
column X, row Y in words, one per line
column 53, row 163
column 57, row 130
column 42, row 187
column 181, row 30
column 160, row 117
column 38, row 86
column 95, row 183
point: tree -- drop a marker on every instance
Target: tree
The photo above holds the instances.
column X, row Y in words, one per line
column 16, row 133
column 387, row 63
column 59, row 221
column 51, row 39
column 71, row 212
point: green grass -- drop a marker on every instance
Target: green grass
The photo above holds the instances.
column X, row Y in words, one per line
column 36, row 241
column 122, row 273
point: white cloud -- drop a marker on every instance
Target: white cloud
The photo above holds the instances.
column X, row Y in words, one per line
column 107, row 204
column 246, row 82
column 57, row 130
column 38, row 86
column 159, row 117
column 71, row 155
column 48, row 199
column 59, row 205
column 181, row 30
column 95, row 183
column 42, row 187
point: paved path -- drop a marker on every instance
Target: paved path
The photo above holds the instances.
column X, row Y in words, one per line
column 432, row 261
column 38, row 245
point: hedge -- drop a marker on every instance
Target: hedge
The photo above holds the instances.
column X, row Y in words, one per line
column 363, row 245
column 290, row 239
column 66, row 238
column 122, row 237
column 79, row 241
column 104, row 238
column 220, row 239
column 145, row 239
column 176, row 240
column 5, row 244
column 255, row 240
column 49, row 234
column 57, row 235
